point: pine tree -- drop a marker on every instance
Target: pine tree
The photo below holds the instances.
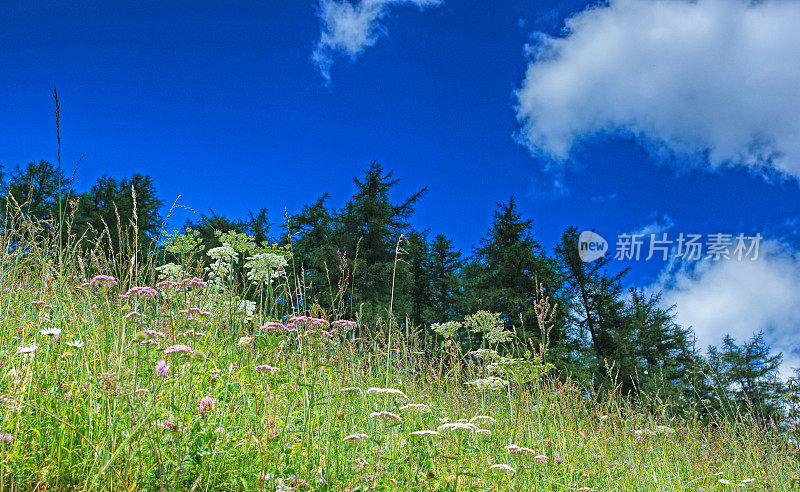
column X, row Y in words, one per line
column 445, row 265
column 510, row 266
column 371, row 225
column 37, row 189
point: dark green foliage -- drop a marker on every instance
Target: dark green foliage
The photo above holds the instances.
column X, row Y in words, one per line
column 38, row 189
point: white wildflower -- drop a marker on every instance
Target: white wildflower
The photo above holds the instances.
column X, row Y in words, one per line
column 263, row 267
column 456, row 427
column 77, row 343
column 52, row 332
column 420, row 434
column 502, row 468
column 384, row 415
column 448, row 329
column 482, row 419
column 28, row 349
column 351, row 391
column 491, row 383
column 416, row 408
column 355, row 437
column 387, row 392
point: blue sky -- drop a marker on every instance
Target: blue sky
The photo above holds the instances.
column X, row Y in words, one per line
column 664, row 124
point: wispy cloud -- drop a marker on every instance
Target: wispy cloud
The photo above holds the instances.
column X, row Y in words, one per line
column 657, row 224
column 605, row 197
column 740, row 298
column 349, row 28
column 712, row 80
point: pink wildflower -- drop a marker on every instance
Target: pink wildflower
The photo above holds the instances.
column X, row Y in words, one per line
column 172, row 349
column 162, row 368
column 266, row 367
column 206, row 404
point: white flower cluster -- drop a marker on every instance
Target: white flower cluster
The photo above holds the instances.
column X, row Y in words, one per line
column 492, row 383
column 489, row 323
column 520, row 371
column 263, row 267
column 448, row 329
column 220, row 271
column 171, row 272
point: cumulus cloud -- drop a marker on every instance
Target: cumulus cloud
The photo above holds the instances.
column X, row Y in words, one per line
column 740, row 298
column 350, row 28
column 709, row 79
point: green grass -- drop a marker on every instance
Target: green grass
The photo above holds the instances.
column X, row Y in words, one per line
column 85, row 417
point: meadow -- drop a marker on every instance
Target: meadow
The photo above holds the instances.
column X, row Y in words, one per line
column 154, row 375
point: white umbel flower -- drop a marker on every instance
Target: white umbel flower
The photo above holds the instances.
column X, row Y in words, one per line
column 502, row 468
column 482, row 420
column 457, row 427
column 387, row 392
column 384, row 415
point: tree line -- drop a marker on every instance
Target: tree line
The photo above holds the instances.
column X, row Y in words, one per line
column 366, row 260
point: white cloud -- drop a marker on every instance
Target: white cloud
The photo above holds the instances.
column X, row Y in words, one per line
column 716, row 79
column 657, row 225
column 350, row 28
column 740, row 298
column 603, row 198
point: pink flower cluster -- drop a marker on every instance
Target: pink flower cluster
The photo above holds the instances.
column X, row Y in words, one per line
column 267, row 367
column 6, row 438
column 176, row 349
column 194, row 313
column 41, row 304
column 142, row 292
column 166, row 424
column 107, row 279
column 344, row 324
column 182, row 285
column 206, row 404
column 162, row 368
column 308, row 322
column 135, row 316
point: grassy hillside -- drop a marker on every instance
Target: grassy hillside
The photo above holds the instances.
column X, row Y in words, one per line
column 166, row 387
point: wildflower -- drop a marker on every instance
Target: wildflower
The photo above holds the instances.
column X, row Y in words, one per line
column 191, row 333
column 748, row 480
column 167, row 424
column 416, row 408
column 724, row 481
column 387, row 391
column 514, row 449
column 457, row 427
column 482, row 419
column 483, row 432
column 141, row 391
column 51, row 332
column 344, row 324
column 384, row 415
column 173, row 349
column 663, row 429
column 102, row 280
column 424, row 433
column 355, row 437
column 7, row 438
column 558, row 459
column 28, row 349
column 244, row 341
column 162, row 368
column 485, row 354
column 265, row 367
column 448, row 329
column 77, row 343
column 541, row 458
column 263, row 267
column 502, row 468
column 143, row 292
column 206, row 404
column 491, row 383
column 134, row 316
column 351, row 391
column 263, row 476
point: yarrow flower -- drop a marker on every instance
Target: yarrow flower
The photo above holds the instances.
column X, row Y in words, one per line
column 417, row 408
column 483, row 432
column 351, row 391
column 491, row 383
column 384, row 415
column 387, row 392
column 355, row 437
column 482, row 419
column 502, row 468
column 162, row 368
column 457, row 427
column 206, row 404
column 541, row 458
column 420, row 434
column 514, row 449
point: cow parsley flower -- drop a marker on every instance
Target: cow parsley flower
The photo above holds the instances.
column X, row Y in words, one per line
column 448, row 329
column 457, row 427
column 482, row 419
column 420, row 434
column 263, row 267
column 353, row 390
column 491, row 383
